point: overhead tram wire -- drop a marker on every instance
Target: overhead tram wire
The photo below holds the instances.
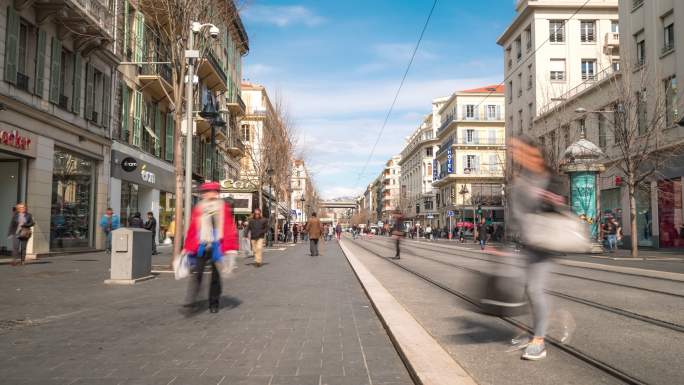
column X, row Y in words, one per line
column 396, row 95
column 503, row 82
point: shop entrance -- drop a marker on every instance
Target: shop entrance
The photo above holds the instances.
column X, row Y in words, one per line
column 12, row 191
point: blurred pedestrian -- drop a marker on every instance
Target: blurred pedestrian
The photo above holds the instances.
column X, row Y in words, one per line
column 295, row 232
column 314, row 228
column 398, row 233
column 20, row 232
column 529, row 194
column 108, row 223
column 330, row 232
column 244, row 239
column 428, row 232
column 171, row 230
column 257, row 229
column 151, row 225
column 611, row 229
column 136, row 221
column 210, row 237
column 338, row 231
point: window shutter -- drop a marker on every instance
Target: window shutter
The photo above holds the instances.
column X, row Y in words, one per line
column 464, row 133
column 476, row 112
column 78, row 73
column 157, row 130
column 125, row 111
column 11, row 45
column 492, row 137
column 207, row 160
column 89, row 94
column 139, row 37
column 498, row 112
column 465, row 161
column 107, row 100
column 493, row 163
column 40, row 62
column 168, row 155
column 477, row 164
column 464, row 112
column 137, row 121
column 55, row 70
column 127, row 29
column 476, row 136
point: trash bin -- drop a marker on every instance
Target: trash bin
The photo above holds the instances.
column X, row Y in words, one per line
column 131, row 259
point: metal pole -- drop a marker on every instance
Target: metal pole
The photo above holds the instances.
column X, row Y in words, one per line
column 188, row 136
column 270, row 211
column 212, row 173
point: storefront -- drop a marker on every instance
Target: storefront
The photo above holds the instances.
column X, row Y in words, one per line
column 670, row 215
column 14, row 158
column 141, row 184
column 241, row 194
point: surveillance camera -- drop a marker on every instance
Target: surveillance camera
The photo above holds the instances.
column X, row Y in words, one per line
column 214, row 32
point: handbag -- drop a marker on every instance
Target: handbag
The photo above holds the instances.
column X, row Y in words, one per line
column 181, row 266
column 503, row 295
column 24, row 233
column 556, row 231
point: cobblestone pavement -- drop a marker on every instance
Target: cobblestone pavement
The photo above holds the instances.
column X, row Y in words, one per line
column 296, row 320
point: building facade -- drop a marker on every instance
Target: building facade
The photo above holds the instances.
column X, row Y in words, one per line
column 417, row 167
column 55, row 117
column 143, row 173
column 471, row 157
column 390, row 190
column 301, row 195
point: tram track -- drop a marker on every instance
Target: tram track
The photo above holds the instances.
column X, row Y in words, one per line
column 463, row 254
column 573, row 351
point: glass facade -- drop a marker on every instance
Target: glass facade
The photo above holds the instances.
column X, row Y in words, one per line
column 130, row 198
column 167, row 204
column 670, row 221
column 73, row 180
column 644, row 216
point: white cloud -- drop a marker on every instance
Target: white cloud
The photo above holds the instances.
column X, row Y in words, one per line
column 282, row 15
column 392, row 54
column 258, row 69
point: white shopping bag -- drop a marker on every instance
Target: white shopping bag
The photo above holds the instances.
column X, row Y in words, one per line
column 181, row 266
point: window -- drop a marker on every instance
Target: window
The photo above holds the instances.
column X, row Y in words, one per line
column 641, row 111
column 530, row 76
column 530, row 114
column 247, row 136
column 470, row 136
column 640, row 49
column 510, row 91
column 428, row 151
column 471, row 162
column 66, row 85
column 493, row 112
column 614, row 26
column 528, row 38
column 470, row 111
column 556, row 31
column 566, row 134
column 588, row 69
column 668, row 38
column 636, row 4
column 508, row 57
column 602, row 131
column 518, row 48
column 615, row 64
column 587, row 31
column 520, row 121
column 557, row 67
column 520, row 83
column 671, row 101
column 22, row 59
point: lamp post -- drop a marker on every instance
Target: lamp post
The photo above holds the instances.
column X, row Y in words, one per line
column 303, row 200
column 269, row 172
column 191, row 54
column 210, row 113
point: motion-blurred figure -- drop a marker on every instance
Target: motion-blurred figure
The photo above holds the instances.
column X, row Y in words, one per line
column 398, row 232
column 210, row 236
column 529, row 194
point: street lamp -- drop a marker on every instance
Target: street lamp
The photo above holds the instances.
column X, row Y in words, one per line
column 269, row 172
column 302, row 200
column 462, row 193
column 210, row 113
column 191, row 54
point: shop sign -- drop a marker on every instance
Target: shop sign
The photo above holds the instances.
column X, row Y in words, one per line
column 435, row 170
column 237, row 185
column 147, row 176
column 14, row 140
column 129, row 164
column 450, row 162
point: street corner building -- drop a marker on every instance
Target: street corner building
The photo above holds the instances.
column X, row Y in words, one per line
column 55, row 120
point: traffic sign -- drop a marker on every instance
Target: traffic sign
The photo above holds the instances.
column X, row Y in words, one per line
column 450, row 213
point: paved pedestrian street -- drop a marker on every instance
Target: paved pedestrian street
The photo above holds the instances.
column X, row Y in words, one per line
column 296, row 320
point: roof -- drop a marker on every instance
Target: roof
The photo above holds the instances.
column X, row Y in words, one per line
column 496, row 88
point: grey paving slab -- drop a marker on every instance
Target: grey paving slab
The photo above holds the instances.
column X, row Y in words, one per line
column 296, row 320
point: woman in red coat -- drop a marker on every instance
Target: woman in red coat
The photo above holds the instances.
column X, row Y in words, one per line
column 211, row 235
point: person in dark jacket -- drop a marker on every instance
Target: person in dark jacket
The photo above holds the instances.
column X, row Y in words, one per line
column 20, row 232
column 257, row 229
column 398, row 232
column 151, row 224
column 135, row 221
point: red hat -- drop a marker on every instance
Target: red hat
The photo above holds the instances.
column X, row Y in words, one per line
column 210, row 186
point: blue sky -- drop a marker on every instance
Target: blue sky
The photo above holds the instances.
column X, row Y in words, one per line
column 337, row 64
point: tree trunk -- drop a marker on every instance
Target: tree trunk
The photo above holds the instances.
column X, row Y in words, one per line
column 633, row 219
column 180, row 176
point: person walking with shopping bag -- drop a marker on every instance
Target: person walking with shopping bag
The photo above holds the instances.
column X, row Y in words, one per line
column 20, row 232
column 257, row 229
column 210, row 237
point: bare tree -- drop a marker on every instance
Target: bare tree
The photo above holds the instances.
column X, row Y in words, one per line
column 169, row 21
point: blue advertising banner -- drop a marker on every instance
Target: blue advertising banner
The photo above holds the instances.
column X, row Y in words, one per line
column 583, row 198
column 450, row 162
column 435, row 170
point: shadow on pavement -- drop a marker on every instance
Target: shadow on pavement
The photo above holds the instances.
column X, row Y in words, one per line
column 202, row 306
column 478, row 332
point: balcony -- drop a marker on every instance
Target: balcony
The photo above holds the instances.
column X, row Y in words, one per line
column 611, row 43
column 237, row 107
column 211, row 72
column 480, row 142
column 91, row 18
column 156, row 79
